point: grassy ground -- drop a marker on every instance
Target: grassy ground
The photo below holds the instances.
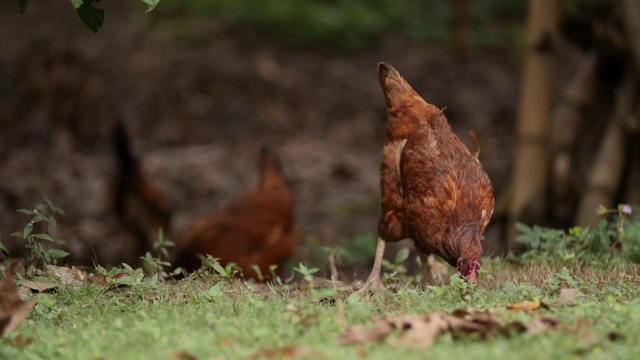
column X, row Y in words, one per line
column 213, row 318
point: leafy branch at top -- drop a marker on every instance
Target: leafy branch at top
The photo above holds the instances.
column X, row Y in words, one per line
column 90, row 15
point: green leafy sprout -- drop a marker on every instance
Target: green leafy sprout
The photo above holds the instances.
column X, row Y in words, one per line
column 43, row 214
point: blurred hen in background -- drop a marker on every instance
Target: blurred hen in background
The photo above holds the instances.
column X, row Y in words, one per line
column 257, row 228
column 141, row 207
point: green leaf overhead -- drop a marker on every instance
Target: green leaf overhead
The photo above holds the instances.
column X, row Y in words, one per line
column 91, row 16
column 76, row 3
column 22, row 6
column 151, row 4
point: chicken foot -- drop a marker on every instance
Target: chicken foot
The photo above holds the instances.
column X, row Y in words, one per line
column 373, row 282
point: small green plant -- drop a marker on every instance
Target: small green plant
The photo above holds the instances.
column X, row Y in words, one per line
column 125, row 275
column 257, row 270
column 357, row 251
column 157, row 264
column 458, row 283
column 306, row 272
column 617, row 237
column 394, row 270
column 214, row 294
column 228, row 272
column 43, row 216
column 564, row 279
column 134, row 279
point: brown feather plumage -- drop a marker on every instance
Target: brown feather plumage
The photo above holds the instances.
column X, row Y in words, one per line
column 257, row 228
column 437, row 193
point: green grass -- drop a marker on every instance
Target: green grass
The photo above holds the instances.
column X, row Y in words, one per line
column 209, row 318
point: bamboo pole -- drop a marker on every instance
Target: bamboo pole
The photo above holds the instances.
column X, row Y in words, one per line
column 604, row 176
column 531, row 166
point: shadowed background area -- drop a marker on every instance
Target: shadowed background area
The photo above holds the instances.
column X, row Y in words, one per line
column 201, row 87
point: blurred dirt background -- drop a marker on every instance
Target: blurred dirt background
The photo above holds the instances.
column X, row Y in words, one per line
column 198, row 104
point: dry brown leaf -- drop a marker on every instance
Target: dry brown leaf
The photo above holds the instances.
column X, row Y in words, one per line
column 38, row 286
column 359, row 334
column 98, row 280
column 527, row 306
column 23, row 292
column 22, row 340
column 569, row 295
column 287, row 352
column 540, row 325
column 13, row 310
column 419, row 331
column 16, row 315
column 67, row 276
column 226, row 343
column 102, row 281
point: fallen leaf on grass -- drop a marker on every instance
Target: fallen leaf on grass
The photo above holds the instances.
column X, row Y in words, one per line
column 540, row 325
column 415, row 331
column 528, row 306
column 66, row 275
column 109, row 280
column 360, row 334
column 13, row 310
column 98, row 280
column 569, row 295
column 287, row 352
column 419, row 331
column 23, row 292
column 39, row 286
column 55, row 276
column 21, row 340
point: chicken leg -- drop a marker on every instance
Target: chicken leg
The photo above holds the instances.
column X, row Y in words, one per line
column 373, row 282
column 427, row 277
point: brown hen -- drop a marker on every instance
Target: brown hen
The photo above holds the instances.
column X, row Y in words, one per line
column 257, row 228
column 141, row 207
column 433, row 190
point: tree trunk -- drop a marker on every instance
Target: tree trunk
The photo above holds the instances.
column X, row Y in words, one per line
column 566, row 119
column 531, row 166
column 631, row 18
column 604, row 177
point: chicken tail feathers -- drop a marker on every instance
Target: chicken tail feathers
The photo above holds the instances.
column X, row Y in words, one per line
column 395, row 87
column 404, row 104
column 126, row 160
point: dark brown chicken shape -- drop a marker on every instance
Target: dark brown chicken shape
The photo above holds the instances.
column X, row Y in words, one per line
column 140, row 205
column 257, row 228
column 433, row 190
